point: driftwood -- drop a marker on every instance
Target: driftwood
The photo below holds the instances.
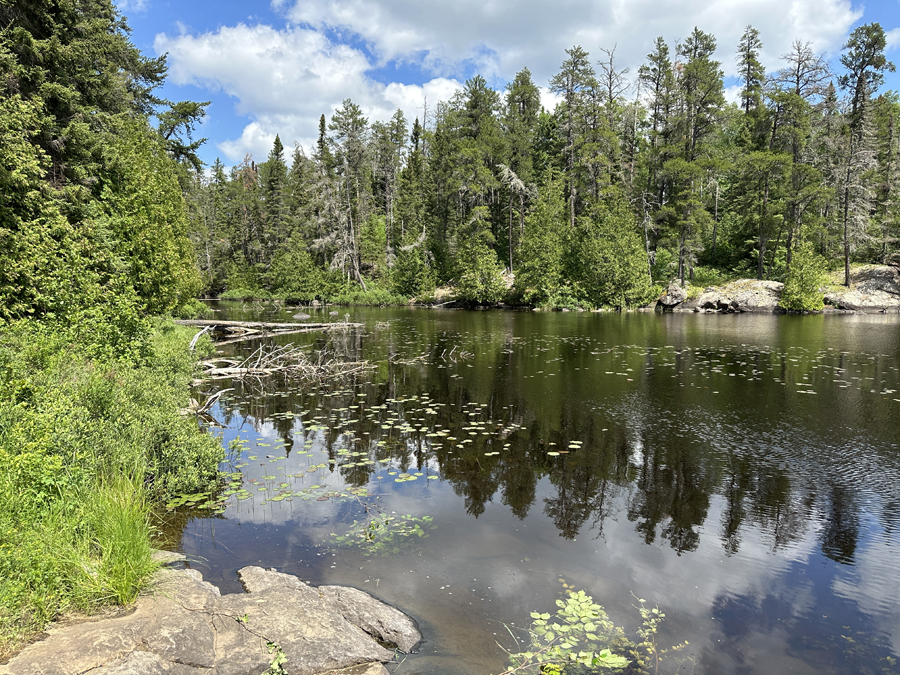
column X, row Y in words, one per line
column 287, row 360
column 249, row 330
column 258, row 335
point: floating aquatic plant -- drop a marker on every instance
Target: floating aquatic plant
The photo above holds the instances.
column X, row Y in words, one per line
column 385, row 534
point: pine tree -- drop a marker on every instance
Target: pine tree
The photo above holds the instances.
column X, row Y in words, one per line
column 752, row 72
column 865, row 63
column 574, row 77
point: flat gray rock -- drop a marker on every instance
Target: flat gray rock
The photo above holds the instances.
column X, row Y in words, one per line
column 186, row 627
column 376, row 618
column 873, row 288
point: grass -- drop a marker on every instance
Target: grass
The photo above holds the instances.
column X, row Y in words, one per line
column 374, row 297
column 87, row 447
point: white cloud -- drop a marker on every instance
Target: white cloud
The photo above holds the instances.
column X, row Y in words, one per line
column 131, row 6
column 501, row 36
column 285, row 79
column 893, row 38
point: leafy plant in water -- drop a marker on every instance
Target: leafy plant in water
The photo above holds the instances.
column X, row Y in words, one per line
column 581, row 637
column 580, row 633
column 646, row 653
column 385, row 534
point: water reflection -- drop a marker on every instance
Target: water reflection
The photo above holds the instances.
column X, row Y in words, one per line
column 619, row 452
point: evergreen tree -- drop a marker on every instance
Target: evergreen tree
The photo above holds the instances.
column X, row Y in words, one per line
column 752, row 72
column 520, row 120
column 864, row 62
column 273, row 175
column 540, row 276
column 574, row 77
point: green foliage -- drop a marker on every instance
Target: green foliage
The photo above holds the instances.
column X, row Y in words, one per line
column 480, row 275
column 144, row 211
column 806, row 276
column 539, row 277
column 385, row 534
column 374, row 297
column 411, row 276
column 608, row 261
column 86, row 443
column 276, row 663
column 191, row 309
column 294, row 274
column 373, row 246
column 581, row 637
column 580, row 633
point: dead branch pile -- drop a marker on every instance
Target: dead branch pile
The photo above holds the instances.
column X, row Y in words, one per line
column 288, row 360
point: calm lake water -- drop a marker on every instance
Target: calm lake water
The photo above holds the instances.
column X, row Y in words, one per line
column 741, row 472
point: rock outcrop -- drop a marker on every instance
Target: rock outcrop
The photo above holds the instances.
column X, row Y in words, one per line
column 873, row 288
column 675, row 295
column 744, row 295
column 187, row 628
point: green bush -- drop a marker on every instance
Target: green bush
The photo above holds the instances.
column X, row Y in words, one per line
column 481, row 275
column 374, row 297
column 608, row 260
column 411, row 276
column 804, row 278
column 86, row 444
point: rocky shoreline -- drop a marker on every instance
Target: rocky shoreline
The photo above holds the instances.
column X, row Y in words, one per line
column 185, row 626
column 873, row 289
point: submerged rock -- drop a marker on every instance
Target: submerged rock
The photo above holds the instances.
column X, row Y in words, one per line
column 300, row 316
column 186, row 628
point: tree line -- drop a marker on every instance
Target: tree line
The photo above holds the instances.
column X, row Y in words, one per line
column 633, row 179
column 93, row 224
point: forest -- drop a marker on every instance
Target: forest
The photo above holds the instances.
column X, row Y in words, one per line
column 634, row 179
column 109, row 221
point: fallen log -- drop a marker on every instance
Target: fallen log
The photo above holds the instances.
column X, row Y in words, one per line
column 224, row 326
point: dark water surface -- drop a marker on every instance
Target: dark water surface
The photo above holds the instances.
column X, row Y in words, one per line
column 742, row 472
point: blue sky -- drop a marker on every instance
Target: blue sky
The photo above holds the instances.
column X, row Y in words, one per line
column 274, row 67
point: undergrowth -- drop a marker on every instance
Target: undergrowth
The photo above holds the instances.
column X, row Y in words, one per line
column 87, row 445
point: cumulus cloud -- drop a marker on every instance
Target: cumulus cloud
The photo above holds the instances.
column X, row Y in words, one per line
column 131, row 6
column 893, row 38
column 502, row 36
column 285, row 79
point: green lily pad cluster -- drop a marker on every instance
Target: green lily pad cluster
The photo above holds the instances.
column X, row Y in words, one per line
column 385, row 534
column 214, row 501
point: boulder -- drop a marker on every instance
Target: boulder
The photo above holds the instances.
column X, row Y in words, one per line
column 675, row 294
column 187, row 628
column 749, row 295
column 873, row 288
column 745, row 295
column 381, row 621
column 301, row 316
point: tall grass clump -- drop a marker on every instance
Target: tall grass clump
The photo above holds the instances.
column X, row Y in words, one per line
column 87, row 445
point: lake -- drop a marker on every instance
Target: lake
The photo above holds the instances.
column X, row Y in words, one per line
column 740, row 472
